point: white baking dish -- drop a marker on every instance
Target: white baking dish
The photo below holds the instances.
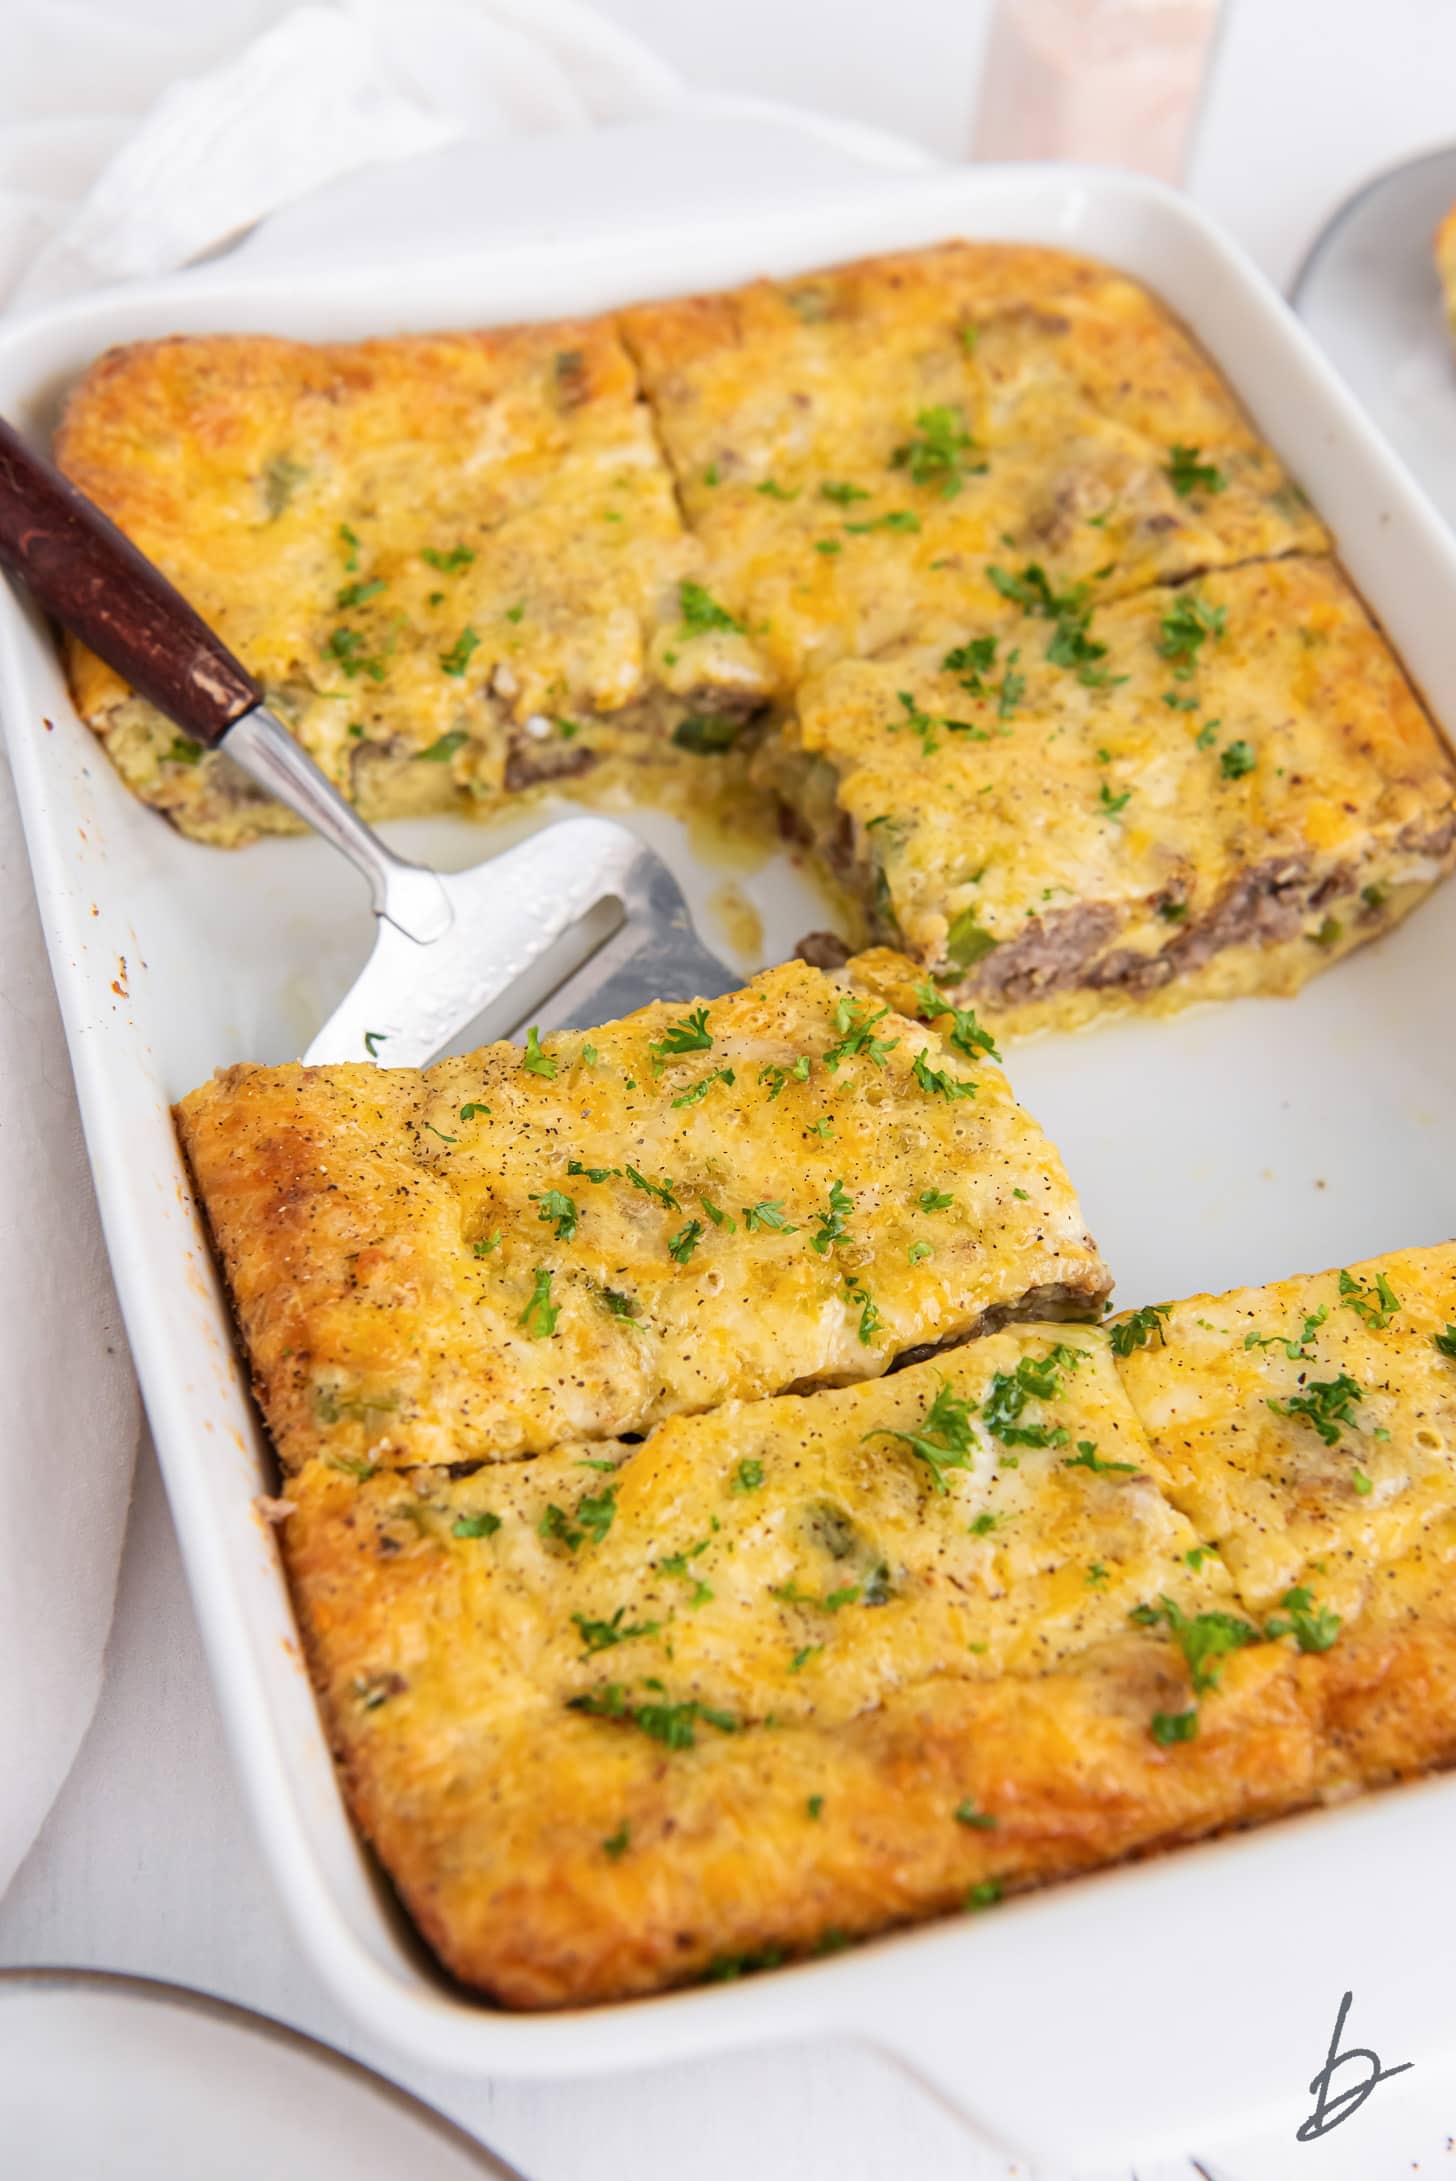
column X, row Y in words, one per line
column 1135, row 2011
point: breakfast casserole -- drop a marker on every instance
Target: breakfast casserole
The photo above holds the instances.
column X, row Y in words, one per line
column 454, row 563
column 781, row 1675
column 792, row 1185
column 1195, row 792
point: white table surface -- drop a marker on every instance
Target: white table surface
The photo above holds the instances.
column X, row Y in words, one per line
column 146, row 1863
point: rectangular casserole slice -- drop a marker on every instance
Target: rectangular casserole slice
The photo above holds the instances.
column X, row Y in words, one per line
column 619, row 1717
column 1203, row 791
column 788, row 1673
column 787, row 1186
column 455, row 562
column 1308, row 1431
column 858, row 448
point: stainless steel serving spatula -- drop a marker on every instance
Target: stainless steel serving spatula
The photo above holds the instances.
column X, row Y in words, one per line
column 576, row 925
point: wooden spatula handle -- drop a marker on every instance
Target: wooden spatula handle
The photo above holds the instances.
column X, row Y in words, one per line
column 95, row 583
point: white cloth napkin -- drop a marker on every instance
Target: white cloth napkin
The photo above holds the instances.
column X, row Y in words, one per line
column 133, row 138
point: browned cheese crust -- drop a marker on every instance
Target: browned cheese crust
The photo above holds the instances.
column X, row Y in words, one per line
column 686, row 1206
column 858, row 448
column 454, row 562
column 1218, row 789
column 786, row 1674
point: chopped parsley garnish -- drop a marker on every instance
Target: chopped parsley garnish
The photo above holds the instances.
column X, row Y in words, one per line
column 558, row 1211
column 1070, row 645
column 776, row 1076
column 443, row 749
column 718, row 1217
column 768, row 1213
column 869, row 1316
column 917, row 1252
column 601, row 1635
column 534, row 1060
column 185, row 751
column 685, row 1241
column 895, row 518
column 966, row 1813
column 966, row 1033
column 1373, row 1301
column 1236, row 760
column 984, row 1894
column 592, row 1173
column 681, row 1564
column 842, row 494
column 350, row 544
column 700, row 610
column 1187, row 474
column 856, row 1030
column 619, row 1304
column 1013, row 687
column 358, row 594
column 833, row 1225
column 924, row 724
column 484, row 1524
column 1186, row 626
column 471, row 1108
column 662, row 1190
column 1445, row 1343
column 815, row 1805
column 1202, row 1640
column 966, row 943
column 1313, row 1627
column 1326, row 1403
column 771, row 490
column 940, row 452
column 486, row 1244
column 618, row 1842
column 670, row 1724
column 441, row 1134
column 1295, row 1347
column 1136, row 1331
column 1114, row 805
column 972, row 661
column 555, row 1526
column 747, row 1477
column 449, row 564
column 1035, row 1378
column 540, row 1314
column 802, row 1657
column 984, row 1524
column 689, row 1035
column 346, row 648
column 938, row 1082
column 946, row 1439
column 1087, row 1457
column 457, row 658
column 707, row 734
column 936, row 1200
column 696, row 1092
column 596, row 1512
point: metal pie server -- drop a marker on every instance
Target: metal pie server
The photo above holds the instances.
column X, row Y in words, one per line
column 578, row 924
